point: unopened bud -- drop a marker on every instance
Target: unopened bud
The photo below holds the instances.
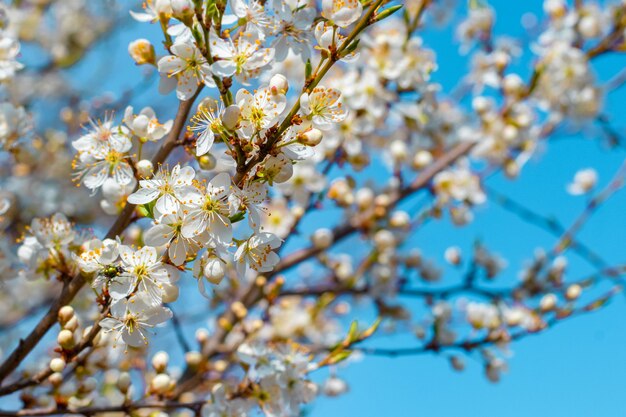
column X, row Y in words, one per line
column 364, row 198
column 214, row 270
column 457, row 363
column 481, row 104
column 398, row 150
column 160, row 383
column 322, row 238
column 65, row 314
column 399, row 219
column 202, row 336
column 56, row 379
column 160, row 361
column 145, row 168
column 239, row 309
column 123, row 382
column 384, row 239
column 453, row 255
column 142, row 52
column 57, row 365
column 573, row 291
column 230, row 119
column 422, row 159
column 311, row 137
column 72, row 324
column 512, row 84
column 334, row 386
column 207, row 162
column 279, row 84
column 548, row 302
column 414, row 258
column 183, row 11
column 193, row 359
column 66, row 339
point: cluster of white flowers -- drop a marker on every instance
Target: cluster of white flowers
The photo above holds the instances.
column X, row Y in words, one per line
column 302, row 126
column 279, row 376
column 48, row 247
column 14, row 121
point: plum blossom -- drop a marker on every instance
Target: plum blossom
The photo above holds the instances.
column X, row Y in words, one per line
column 145, row 125
column 153, row 10
column 323, row 106
column 259, row 110
column 168, row 232
column 584, row 181
column 342, row 12
column 166, row 187
column 131, row 319
column 189, row 67
column 257, row 253
column 208, row 210
column 142, row 270
column 242, row 58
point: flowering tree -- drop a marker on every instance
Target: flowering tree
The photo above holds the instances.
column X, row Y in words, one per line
column 308, row 147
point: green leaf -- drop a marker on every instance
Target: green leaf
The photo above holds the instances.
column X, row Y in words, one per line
column 339, row 356
column 237, row 217
column 387, row 12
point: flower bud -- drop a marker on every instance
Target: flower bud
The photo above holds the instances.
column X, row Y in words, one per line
column 57, row 365
column 239, row 309
column 384, row 239
column 453, row 255
column 142, row 52
column 160, row 383
column 231, row 116
column 512, row 84
column 481, row 104
column 548, row 302
column 334, row 386
column 398, row 150
column 322, row 238
column 457, row 363
column 145, row 168
column 279, row 84
column 72, row 324
column 555, row 8
column 341, row 192
column 66, row 339
column 207, row 162
column 364, row 198
column 56, row 379
column 589, row 26
column 193, row 359
column 422, row 159
column 202, row 336
column 573, row 291
column 414, row 258
column 311, row 137
column 183, row 11
column 123, row 382
column 214, row 270
column 160, row 361
column 399, row 219
column 65, row 314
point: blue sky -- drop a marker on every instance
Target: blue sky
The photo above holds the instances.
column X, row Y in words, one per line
column 575, row 369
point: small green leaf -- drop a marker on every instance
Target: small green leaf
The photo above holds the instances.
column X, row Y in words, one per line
column 387, row 12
